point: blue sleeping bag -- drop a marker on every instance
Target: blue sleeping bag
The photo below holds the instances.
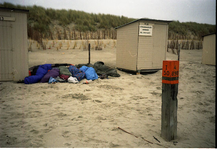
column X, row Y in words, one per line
column 79, row 74
column 90, row 73
column 42, row 70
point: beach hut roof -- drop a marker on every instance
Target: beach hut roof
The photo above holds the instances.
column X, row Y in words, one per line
column 14, row 10
column 209, row 34
column 143, row 19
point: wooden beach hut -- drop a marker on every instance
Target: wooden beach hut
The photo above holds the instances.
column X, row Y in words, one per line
column 209, row 49
column 142, row 45
column 13, row 44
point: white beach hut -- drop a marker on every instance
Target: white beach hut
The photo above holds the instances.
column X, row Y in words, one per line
column 209, row 49
column 142, row 45
column 13, row 44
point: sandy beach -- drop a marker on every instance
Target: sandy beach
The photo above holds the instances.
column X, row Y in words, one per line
column 67, row 115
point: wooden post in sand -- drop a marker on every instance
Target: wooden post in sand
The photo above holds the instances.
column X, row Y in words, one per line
column 170, row 75
column 178, row 52
column 89, row 53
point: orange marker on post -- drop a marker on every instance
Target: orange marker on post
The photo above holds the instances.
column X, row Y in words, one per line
column 170, row 80
column 170, row 73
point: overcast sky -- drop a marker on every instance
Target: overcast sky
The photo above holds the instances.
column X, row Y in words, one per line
column 200, row 11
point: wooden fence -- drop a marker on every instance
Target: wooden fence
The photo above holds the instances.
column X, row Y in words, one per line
column 185, row 44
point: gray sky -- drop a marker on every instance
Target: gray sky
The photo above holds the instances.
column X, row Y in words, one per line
column 200, row 11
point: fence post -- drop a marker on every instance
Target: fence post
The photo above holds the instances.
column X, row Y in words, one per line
column 89, row 53
column 178, row 52
column 170, row 75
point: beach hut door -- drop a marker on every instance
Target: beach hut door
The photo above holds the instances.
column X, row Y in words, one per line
column 6, row 51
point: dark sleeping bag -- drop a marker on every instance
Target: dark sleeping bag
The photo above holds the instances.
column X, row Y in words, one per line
column 52, row 73
column 64, row 70
column 41, row 71
column 101, row 69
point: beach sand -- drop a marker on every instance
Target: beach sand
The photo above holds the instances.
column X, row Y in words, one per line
column 66, row 115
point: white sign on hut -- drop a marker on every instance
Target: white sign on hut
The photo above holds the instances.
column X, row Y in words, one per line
column 13, row 44
column 145, row 30
column 142, row 45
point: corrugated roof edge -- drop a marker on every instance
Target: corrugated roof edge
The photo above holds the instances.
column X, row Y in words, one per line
column 167, row 21
column 208, row 34
column 14, row 9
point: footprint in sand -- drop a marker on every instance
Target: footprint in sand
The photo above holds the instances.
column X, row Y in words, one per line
column 112, row 145
column 66, row 134
column 148, row 109
column 100, row 118
column 98, row 101
column 34, row 114
column 212, row 119
column 203, row 111
column 18, row 124
column 60, row 115
column 152, row 83
column 155, row 93
column 150, row 115
column 137, row 97
column 67, row 144
column 79, row 96
column 48, row 104
column 9, row 140
column 110, row 87
column 198, row 92
column 37, row 143
column 47, row 130
column 158, row 88
column 34, row 131
column 16, row 115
